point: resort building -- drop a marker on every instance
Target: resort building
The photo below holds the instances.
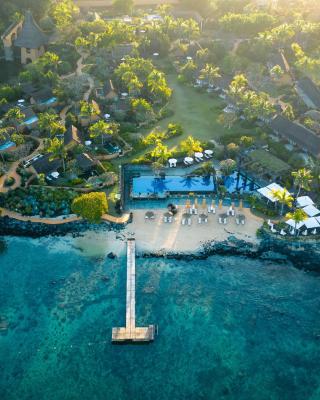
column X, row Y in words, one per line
column 309, row 93
column 27, row 37
column 296, row 134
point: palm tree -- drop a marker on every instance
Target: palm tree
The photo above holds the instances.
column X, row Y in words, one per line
column 298, row 216
column 191, row 146
column 302, row 179
column 283, row 197
column 57, row 150
column 161, row 153
column 102, row 129
column 210, row 73
column 15, row 116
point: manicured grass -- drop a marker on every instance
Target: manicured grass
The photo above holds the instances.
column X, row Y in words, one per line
column 269, row 161
column 197, row 112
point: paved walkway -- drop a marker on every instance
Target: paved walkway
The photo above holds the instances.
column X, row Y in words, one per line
column 60, row 220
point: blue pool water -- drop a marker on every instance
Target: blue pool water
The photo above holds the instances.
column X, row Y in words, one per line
column 31, row 120
column 230, row 328
column 239, row 183
column 7, row 145
column 148, row 185
column 49, row 101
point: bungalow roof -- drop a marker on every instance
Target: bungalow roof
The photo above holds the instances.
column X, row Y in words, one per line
column 310, row 89
column 301, row 135
column 85, row 162
column 44, row 166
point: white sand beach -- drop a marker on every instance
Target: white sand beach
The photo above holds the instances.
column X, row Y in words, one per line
column 155, row 235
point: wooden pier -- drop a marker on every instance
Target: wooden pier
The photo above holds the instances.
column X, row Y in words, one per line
column 131, row 333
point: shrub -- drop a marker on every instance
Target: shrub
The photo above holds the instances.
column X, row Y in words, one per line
column 91, row 206
column 9, row 181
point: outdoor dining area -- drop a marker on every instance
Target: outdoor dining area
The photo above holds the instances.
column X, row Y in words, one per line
column 198, row 157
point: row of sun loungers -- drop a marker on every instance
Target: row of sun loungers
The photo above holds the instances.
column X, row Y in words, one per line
column 291, row 232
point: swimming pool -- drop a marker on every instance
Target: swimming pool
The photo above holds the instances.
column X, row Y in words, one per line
column 7, row 145
column 239, row 183
column 31, row 120
column 145, row 186
column 49, row 101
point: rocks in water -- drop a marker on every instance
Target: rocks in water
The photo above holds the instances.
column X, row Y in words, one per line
column 4, row 324
column 111, row 255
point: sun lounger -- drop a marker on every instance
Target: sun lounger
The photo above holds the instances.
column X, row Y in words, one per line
column 199, row 220
column 292, row 232
column 165, row 219
column 273, row 230
column 189, row 221
column 225, row 221
column 282, row 232
column 237, row 221
column 220, row 220
column 242, row 221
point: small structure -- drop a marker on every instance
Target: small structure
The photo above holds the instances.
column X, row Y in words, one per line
column 107, row 92
column 73, row 137
column 309, row 93
column 296, row 134
column 304, row 201
column 28, row 37
column 131, row 333
column 85, row 162
column 267, row 191
column 30, row 120
column 44, row 166
column 86, row 120
column 121, row 51
column 311, row 210
column 43, row 99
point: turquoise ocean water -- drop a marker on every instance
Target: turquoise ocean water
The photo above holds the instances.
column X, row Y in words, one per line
column 229, row 327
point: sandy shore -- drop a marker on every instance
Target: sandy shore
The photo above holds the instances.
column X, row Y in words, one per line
column 155, row 235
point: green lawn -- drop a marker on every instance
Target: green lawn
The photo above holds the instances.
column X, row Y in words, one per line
column 269, row 162
column 196, row 111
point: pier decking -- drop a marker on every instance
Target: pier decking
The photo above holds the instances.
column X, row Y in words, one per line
column 131, row 333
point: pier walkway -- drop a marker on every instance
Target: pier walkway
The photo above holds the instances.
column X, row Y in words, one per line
column 131, row 333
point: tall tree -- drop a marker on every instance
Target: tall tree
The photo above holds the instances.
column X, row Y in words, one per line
column 191, row 146
column 102, row 129
column 302, row 180
column 56, row 148
column 283, row 197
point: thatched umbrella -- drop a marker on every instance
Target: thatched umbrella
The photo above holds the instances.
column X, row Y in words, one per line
column 196, row 202
column 220, row 203
column 241, row 204
column 203, row 217
column 149, row 215
column 204, row 203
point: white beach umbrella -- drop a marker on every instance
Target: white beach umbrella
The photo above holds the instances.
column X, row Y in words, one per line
column 311, row 210
column 209, row 152
column 188, row 159
column 55, row 174
column 198, row 154
column 311, row 223
column 304, row 201
column 292, row 223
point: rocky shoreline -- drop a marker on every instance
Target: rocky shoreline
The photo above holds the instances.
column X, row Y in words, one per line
column 302, row 254
column 13, row 227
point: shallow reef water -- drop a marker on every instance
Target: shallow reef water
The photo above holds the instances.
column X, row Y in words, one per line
column 228, row 327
